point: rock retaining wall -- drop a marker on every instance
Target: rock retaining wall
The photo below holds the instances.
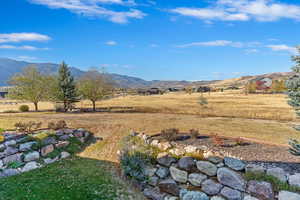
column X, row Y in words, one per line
column 21, row 152
column 177, row 176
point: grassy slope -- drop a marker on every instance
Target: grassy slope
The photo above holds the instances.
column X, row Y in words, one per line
column 72, row 179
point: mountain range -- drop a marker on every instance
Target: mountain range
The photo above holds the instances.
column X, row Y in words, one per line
column 9, row 67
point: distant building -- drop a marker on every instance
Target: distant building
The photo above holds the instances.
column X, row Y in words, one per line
column 4, row 91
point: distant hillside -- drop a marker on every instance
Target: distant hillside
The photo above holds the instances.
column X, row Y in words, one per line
column 9, row 67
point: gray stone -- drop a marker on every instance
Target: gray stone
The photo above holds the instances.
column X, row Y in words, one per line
column 162, row 172
column 294, row 180
column 260, row 189
column 169, row 186
column 26, row 146
column 165, row 159
column 64, row 137
column 220, row 165
column 231, row 194
column 178, row 175
column 10, row 172
column 49, row 160
column 31, row 156
column 248, row 197
column 192, row 195
column 153, row 193
column 231, row 179
column 278, row 173
column 196, row 178
column 1, row 164
column 12, row 158
column 64, row 154
column 149, row 171
column 215, row 159
column 10, row 150
column 207, row 168
column 171, row 198
column 10, row 143
column 285, row 195
column 59, row 132
column 62, row 144
column 153, row 180
column 47, row 149
column 234, row 163
column 30, row 166
column 211, row 187
column 187, row 163
column 217, row 198
column 49, row 140
column 253, row 168
column 2, row 147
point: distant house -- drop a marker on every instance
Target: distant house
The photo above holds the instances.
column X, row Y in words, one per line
column 3, row 91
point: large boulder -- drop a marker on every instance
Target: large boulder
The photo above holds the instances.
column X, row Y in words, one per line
column 192, row 195
column 231, row 194
column 260, row 189
column 254, row 168
column 154, row 194
column 165, row 159
column 285, row 195
column 178, row 175
column 207, row 168
column 187, row 163
column 12, row 158
column 231, row 179
column 162, row 172
column 30, row 166
column 234, row 163
column 211, row 187
column 196, row 178
column 294, row 180
column 169, row 186
column 47, row 149
column 32, row 156
column 277, row 173
column 26, row 146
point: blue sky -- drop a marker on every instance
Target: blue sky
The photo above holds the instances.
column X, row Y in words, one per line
column 163, row 39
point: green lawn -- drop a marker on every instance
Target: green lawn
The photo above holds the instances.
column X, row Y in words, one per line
column 72, row 179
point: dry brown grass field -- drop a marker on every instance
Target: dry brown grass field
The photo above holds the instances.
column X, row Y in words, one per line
column 266, row 118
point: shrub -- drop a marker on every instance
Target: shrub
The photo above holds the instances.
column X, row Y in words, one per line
column 24, row 108
column 194, row 133
column 59, row 107
column 15, row 164
column 170, row 134
column 217, row 140
column 203, row 101
column 28, row 127
column 61, row 124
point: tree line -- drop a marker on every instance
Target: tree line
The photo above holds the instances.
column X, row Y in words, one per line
column 34, row 86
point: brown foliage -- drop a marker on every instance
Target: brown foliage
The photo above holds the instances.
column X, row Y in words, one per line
column 170, row 134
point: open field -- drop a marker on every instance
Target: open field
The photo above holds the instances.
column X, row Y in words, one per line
column 264, row 118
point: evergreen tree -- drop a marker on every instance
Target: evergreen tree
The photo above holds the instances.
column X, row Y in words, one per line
column 66, row 93
column 293, row 86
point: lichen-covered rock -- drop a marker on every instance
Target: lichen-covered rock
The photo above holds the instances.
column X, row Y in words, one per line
column 153, row 193
column 231, row 179
column 207, row 168
column 30, row 166
column 196, row 178
column 192, row 195
column 260, row 189
column 294, row 180
column 187, row 163
column 165, row 159
column 47, row 149
column 278, row 173
column 169, row 186
column 26, row 146
column 253, row 168
column 231, row 194
column 31, row 156
column 162, row 172
column 234, row 163
column 215, row 159
column 12, row 158
column 178, row 175
column 285, row 195
column 211, row 187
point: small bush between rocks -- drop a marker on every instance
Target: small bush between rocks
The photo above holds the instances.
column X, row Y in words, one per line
column 15, row 164
column 74, row 146
column 28, row 127
column 194, row 133
column 276, row 183
column 170, row 134
column 61, row 124
column 24, row 108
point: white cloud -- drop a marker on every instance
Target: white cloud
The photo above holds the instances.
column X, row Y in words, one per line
column 94, row 8
column 26, row 58
column 111, row 43
column 24, row 47
column 21, row 37
column 242, row 10
column 216, row 43
column 283, row 47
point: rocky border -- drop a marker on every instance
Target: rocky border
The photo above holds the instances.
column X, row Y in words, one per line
column 21, row 152
column 215, row 177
